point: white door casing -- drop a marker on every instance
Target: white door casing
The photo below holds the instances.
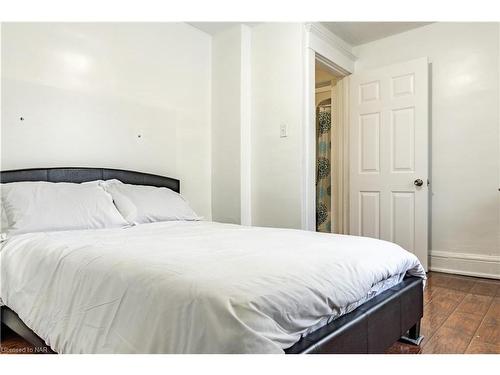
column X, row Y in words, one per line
column 389, row 153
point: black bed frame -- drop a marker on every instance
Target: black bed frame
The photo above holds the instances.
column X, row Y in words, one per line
column 371, row 328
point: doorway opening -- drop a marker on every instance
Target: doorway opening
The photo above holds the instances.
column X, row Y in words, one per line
column 330, row 132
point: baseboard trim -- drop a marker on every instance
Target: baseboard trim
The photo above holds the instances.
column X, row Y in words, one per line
column 487, row 266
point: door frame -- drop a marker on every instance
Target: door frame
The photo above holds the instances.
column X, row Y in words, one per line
column 340, row 157
column 323, row 46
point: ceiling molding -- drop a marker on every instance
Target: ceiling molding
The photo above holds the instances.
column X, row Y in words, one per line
column 327, row 36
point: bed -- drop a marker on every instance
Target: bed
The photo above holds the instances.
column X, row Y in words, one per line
column 203, row 287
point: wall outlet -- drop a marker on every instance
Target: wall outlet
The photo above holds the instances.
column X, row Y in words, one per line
column 283, row 131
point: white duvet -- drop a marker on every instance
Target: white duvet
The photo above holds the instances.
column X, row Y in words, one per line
column 191, row 287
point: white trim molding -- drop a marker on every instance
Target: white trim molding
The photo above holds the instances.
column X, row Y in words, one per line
column 340, row 157
column 308, row 190
column 330, row 46
column 465, row 264
column 245, row 129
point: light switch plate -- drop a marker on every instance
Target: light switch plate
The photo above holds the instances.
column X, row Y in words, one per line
column 283, row 131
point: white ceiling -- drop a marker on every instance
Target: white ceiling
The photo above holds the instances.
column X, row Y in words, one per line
column 356, row 33
column 213, row 28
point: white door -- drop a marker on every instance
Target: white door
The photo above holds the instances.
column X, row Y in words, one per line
column 389, row 155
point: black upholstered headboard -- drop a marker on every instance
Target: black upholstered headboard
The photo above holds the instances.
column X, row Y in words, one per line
column 77, row 174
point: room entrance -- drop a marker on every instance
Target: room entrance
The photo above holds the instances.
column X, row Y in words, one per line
column 329, row 137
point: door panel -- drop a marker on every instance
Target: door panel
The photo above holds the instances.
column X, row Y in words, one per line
column 369, row 91
column 369, row 133
column 388, row 152
column 369, row 215
column 403, row 140
column 402, row 219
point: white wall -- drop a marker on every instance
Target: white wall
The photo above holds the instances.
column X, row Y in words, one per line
column 465, row 127
column 226, row 125
column 87, row 90
column 277, row 97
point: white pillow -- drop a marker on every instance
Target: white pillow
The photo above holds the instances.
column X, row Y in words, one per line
column 140, row 204
column 47, row 206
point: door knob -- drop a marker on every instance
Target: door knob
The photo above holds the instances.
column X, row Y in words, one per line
column 418, row 182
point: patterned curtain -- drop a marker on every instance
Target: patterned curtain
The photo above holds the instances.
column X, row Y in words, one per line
column 323, row 167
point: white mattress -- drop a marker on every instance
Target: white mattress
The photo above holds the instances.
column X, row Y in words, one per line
column 191, row 287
